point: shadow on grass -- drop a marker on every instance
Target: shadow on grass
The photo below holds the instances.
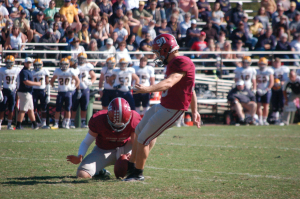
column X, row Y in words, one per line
column 52, row 180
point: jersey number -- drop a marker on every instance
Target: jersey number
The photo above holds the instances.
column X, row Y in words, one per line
column 246, row 77
column 124, row 81
column 263, row 79
column 62, row 82
column 82, row 76
column 10, row 80
column 41, row 80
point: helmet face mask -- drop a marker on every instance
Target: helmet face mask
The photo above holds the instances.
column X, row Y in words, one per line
column 37, row 66
column 262, row 66
column 246, row 64
column 64, row 64
column 111, row 63
column 123, row 66
column 9, row 61
column 73, row 63
column 9, row 64
column 81, row 60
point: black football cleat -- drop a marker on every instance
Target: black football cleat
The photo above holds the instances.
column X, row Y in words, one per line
column 134, row 177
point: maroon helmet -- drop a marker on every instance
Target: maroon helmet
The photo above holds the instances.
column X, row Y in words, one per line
column 119, row 114
column 163, row 45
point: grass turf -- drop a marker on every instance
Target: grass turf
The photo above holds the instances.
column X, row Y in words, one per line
column 211, row 162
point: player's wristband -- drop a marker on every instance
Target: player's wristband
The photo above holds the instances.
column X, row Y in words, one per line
column 85, row 144
column 254, row 91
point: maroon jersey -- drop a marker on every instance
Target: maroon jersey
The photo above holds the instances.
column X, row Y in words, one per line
column 107, row 138
column 180, row 95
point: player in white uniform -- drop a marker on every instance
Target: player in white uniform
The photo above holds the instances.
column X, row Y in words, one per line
column 147, row 78
column 82, row 95
column 108, row 93
column 281, row 75
column 265, row 81
column 8, row 76
column 246, row 73
column 123, row 78
column 64, row 75
column 42, row 92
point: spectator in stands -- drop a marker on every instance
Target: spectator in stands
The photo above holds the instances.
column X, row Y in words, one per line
column 70, row 13
column 238, row 48
column 154, row 11
column 225, row 5
column 189, row 6
column 221, row 39
column 278, row 15
column 105, row 8
column 269, row 6
column 108, row 28
column 68, row 38
column 227, row 53
column 294, row 85
column 267, row 41
column 132, row 46
column 204, row 10
column 185, row 25
column 121, row 31
column 3, row 10
column 57, row 20
column 150, row 29
column 83, row 35
column 291, row 13
column 251, row 41
column 211, row 48
column 43, row 4
column 240, row 99
column 217, row 17
column 164, row 28
column 122, row 52
column 48, row 38
column 64, row 26
column 99, row 34
column 284, row 3
column 141, row 14
column 24, row 25
column 199, row 45
column 93, row 47
column 108, row 50
column 6, row 30
column 284, row 45
column 256, row 28
column 87, row 7
column 16, row 9
column 175, row 28
column 192, row 34
column 146, row 44
column 50, row 12
column 263, row 17
column 281, row 25
column 211, row 33
column 295, row 25
column 235, row 16
column 56, row 32
column 115, row 39
column 126, row 26
column 174, row 4
column 296, row 43
column 176, row 11
column 116, row 17
column 132, row 22
column 39, row 27
column 238, row 34
column 27, row 7
column 77, row 7
column 76, row 48
column 119, row 5
column 2, row 22
column 14, row 40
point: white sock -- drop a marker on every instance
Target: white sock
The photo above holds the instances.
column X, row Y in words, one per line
column 67, row 121
column 265, row 119
column 261, row 118
column 138, row 110
column 56, row 122
column 44, row 121
column 277, row 115
column 9, row 122
column 0, row 124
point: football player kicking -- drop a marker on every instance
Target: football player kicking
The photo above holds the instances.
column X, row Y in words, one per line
column 123, row 78
column 177, row 94
column 247, row 74
column 265, row 81
column 108, row 93
column 82, row 95
column 42, row 92
column 113, row 130
column 64, row 74
column 9, row 75
column 147, row 78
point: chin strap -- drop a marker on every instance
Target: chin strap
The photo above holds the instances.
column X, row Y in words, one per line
column 114, row 128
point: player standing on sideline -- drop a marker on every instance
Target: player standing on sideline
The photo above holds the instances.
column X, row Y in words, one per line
column 247, row 74
column 265, row 81
column 147, row 78
column 177, row 94
column 113, row 130
column 109, row 92
column 41, row 92
column 9, row 75
column 281, row 75
column 123, row 78
column 64, row 75
column 82, row 95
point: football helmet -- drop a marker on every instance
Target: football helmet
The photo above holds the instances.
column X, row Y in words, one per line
column 69, row 57
column 82, row 58
column 262, row 63
column 111, row 62
column 37, row 64
column 118, row 114
column 277, row 84
column 64, row 64
column 73, row 63
column 163, row 45
column 123, row 63
column 9, row 61
column 246, row 61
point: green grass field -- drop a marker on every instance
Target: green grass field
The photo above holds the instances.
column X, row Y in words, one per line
column 211, row 162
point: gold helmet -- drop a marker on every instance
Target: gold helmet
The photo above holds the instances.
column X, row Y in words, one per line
column 64, row 64
column 73, row 63
column 277, row 84
column 82, row 58
column 246, row 61
column 69, row 57
column 111, row 62
column 123, row 63
column 262, row 63
column 9, row 61
column 37, row 64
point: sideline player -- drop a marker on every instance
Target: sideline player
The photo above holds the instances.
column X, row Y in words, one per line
column 281, row 75
column 9, row 75
column 123, row 78
column 109, row 92
column 147, row 78
column 42, row 92
column 64, row 75
column 246, row 73
column 82, row 95
column 177, row 94
column 265, row 81
column 113, row 130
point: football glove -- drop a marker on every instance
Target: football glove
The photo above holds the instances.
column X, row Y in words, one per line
column 117, row 86
column 79, row 94
column 261, row 92
column 47, row 99
column 1, row 96
column 88, row 82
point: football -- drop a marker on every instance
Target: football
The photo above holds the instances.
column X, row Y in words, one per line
column 121, row 166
